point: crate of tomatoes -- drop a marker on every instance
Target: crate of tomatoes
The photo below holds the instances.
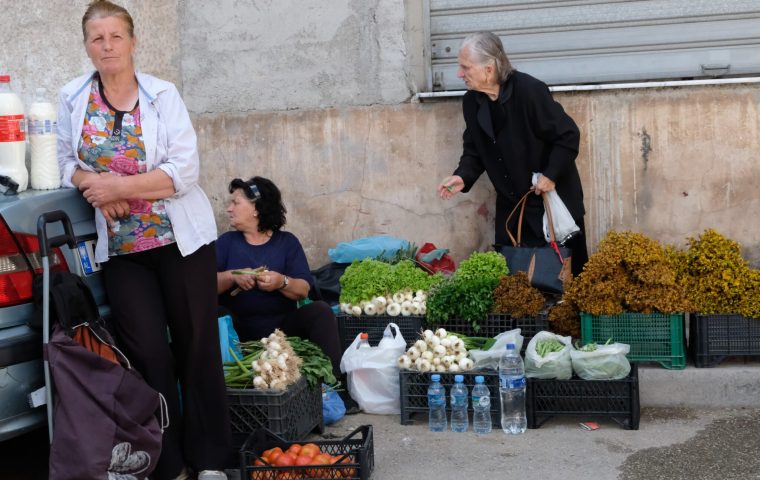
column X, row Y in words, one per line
column 267, row 456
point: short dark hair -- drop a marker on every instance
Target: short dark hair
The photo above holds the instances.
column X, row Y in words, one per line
column 268, row 199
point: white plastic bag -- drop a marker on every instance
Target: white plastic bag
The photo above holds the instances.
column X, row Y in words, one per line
column 373, row 374
column 564, row 225
column 607, row 362
column 490, row 358
column 555, row 364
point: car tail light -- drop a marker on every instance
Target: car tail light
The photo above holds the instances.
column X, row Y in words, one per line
column 15, row 274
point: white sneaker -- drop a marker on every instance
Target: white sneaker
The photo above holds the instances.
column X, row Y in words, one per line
column 212, row 475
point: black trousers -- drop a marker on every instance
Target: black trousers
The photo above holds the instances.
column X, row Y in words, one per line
column 148, row 292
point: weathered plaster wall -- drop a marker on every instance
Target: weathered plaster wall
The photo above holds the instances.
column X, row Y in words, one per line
column 275, row 55
column 315, row 95
column 41, row 42
column 668, row 163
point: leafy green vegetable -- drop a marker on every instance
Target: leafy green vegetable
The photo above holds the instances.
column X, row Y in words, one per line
column 366, row 279
column 468, row 299
column 407, row 253
column 485, row 265
column 545, row 347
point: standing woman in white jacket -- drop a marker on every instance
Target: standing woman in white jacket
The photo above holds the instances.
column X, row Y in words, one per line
column 126, row 141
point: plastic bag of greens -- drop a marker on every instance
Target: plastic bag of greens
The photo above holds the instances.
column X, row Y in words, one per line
column 601, row 362
column 548, row 356
column 490, row 358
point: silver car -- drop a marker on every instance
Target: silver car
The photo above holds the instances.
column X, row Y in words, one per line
column 20, row 345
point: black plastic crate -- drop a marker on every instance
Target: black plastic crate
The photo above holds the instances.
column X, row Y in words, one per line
column 356, row 453
column 349, row 326
column 413, row 386
column 615, row 399
column 712, row 338
column 496, row 323
column 291, row 414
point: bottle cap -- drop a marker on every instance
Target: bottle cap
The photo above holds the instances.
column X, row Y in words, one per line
column 479, row 379
column 510, row 346
column 40, row 94
column 459, row 378
column 435, row 377
column 5, row 79
column 364, row 336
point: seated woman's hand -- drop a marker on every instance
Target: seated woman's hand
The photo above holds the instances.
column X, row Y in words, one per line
column 244, row 282
column 270, row 281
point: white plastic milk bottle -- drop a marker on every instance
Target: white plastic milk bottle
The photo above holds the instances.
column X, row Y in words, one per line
column 12, row 136
column 43, row 129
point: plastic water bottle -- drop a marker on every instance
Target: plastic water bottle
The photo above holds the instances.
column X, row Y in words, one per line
column 43, row 129
column 363, row 341
column 481, row 407
column 512, row 391
column 459, row 401
column 12, row 136
column 437, row 404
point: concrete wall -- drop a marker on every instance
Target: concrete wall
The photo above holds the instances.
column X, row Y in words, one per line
column 315, row 95
column 668, row 163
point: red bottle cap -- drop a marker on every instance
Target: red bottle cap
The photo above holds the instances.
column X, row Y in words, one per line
column 364, row 336
column 5, row 79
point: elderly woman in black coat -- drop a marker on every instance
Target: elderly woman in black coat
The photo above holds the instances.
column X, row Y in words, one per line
column 514, row 128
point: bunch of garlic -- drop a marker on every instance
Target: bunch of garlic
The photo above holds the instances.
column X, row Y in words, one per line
column 404, row 303
column 278, row 366
column 436, row 352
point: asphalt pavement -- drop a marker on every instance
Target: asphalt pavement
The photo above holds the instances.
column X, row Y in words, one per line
column 670, row 444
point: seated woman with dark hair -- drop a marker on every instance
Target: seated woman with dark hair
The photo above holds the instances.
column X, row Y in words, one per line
column 260, row 303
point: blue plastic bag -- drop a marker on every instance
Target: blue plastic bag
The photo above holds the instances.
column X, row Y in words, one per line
column 372, row 247
column 333, row 408
column 228, row 339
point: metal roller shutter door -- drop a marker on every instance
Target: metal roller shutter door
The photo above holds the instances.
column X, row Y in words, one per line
column 592, row 41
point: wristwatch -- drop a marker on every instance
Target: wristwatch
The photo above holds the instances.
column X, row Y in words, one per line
column 285, row 281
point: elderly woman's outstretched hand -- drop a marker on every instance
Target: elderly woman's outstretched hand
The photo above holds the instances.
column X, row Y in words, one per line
column 450, row 186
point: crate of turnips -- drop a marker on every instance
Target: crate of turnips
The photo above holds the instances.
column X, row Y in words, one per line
column 374, row 293
column 628, row 292
column 276, row 383
column 724, row 293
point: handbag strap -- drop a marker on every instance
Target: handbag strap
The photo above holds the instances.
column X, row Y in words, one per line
column 521, row 204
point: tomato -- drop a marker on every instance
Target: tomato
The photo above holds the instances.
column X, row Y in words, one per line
column 268, row 453
column 310, row 449
column 274, row 456
column 262, row 475
column 294, row 449
column 303, row 460
column 348, row 472
column 321, row 459
column 285, row 460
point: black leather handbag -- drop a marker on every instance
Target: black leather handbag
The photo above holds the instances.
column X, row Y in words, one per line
column 547, row 267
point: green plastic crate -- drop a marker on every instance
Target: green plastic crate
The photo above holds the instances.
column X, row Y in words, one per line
column 653, row 337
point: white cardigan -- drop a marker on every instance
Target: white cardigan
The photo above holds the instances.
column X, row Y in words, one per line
column 170, row 144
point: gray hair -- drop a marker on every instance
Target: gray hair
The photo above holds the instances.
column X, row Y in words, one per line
column 485, row 48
